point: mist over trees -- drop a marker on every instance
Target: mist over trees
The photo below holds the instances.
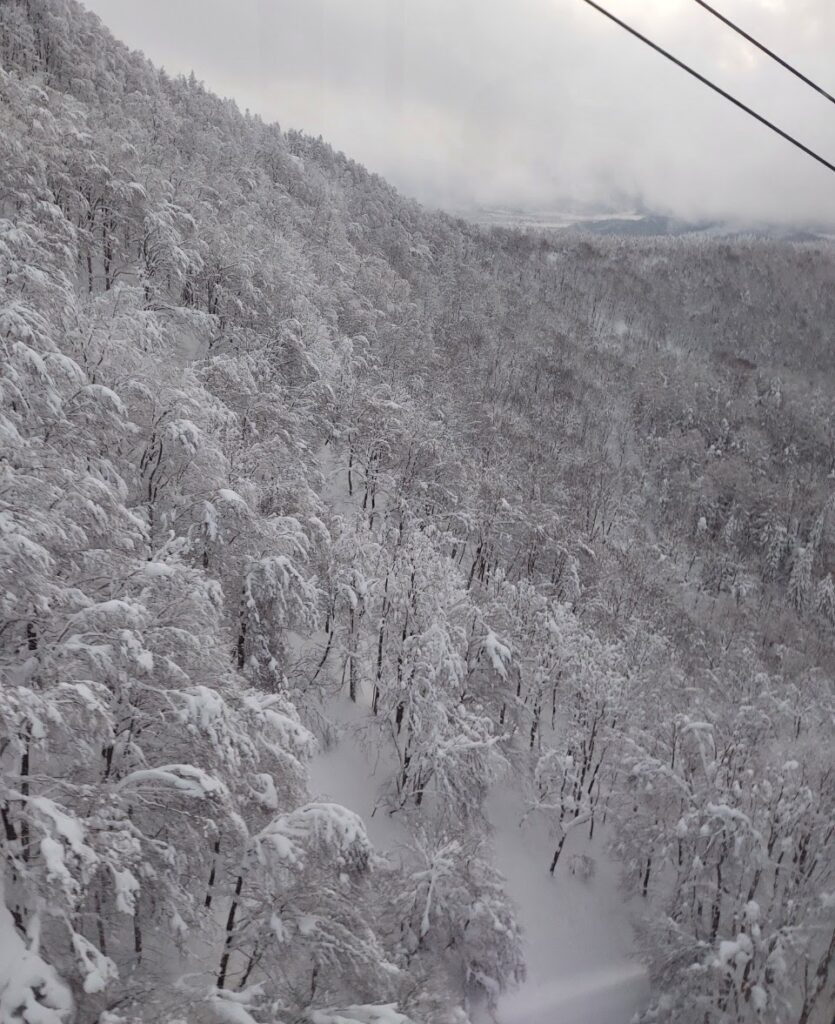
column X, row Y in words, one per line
column 555, row 510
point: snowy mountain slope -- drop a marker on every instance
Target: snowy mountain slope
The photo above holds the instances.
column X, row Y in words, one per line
column 557, row 512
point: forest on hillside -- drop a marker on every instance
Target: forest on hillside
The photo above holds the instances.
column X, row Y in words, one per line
column 279, row 448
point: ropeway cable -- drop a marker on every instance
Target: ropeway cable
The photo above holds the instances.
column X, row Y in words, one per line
column 755, row 42
column 712, row 85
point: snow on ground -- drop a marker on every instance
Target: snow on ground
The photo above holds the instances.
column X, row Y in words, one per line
column 345, row 773
column 333, row 465
column 577, row 933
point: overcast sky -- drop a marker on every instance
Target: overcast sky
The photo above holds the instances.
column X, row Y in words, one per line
column 529, row 103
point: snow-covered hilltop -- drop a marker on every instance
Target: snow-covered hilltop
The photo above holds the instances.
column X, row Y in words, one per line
column 532, row 538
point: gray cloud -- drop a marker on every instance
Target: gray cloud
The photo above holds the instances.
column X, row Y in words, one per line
column 525, row 102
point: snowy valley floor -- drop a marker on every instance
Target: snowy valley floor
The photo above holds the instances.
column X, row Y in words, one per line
column 578, row 942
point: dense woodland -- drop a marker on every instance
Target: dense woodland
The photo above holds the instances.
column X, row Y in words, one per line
column 547, row 508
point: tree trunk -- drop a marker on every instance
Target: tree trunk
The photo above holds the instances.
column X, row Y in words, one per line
column 380, row 640
column 207, row 902
column 137, row 935
column 230, row 931
column 557, row 852
column 352, row 662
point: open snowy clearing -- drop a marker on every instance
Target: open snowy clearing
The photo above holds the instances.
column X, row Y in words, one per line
column 579, row 947
column 578, row 941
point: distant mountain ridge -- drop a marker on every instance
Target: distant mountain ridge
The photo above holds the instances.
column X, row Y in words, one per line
column 637, row 224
